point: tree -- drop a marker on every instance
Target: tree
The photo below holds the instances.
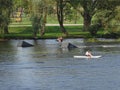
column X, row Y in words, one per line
column 5, row 12
column 43, row 9
column 87, row 9
column 109, row 17
column 36, row 25
column 39, row 11
column 60, row 9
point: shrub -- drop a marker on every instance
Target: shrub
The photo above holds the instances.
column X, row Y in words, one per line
column 93, row 29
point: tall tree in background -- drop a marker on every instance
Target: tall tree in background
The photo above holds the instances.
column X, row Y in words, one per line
column 60, row 9
column 44, row 10
column 109, row 16
column 87, row 8
column 5, row 12
column 39, row 16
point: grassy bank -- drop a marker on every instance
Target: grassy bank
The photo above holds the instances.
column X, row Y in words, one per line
column 26, row 32
column 51, row 32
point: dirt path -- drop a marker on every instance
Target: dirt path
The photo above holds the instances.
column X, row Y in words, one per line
column 20, row 25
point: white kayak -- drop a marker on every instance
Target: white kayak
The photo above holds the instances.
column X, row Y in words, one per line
column 86, row 56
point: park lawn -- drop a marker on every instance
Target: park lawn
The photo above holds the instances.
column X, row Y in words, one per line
column 26, row 32
column 51, row 32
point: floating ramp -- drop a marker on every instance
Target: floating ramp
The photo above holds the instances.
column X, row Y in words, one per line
column 69, row 46
column 24, row 44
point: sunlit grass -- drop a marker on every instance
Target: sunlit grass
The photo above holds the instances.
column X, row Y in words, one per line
column 50, row 32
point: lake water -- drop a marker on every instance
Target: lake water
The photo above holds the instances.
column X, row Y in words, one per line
column 46, row 66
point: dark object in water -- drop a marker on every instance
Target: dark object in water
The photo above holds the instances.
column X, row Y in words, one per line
column 24, row 44
column 71, row 46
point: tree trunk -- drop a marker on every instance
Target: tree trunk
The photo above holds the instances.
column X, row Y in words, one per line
column 43, row 23
column 62, row 28
column 6, row 30
column 87, row 21
column 42, row 31
column 60, row 16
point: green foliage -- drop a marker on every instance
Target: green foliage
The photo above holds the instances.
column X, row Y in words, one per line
column 93, row 29
column 5, row 11
column 36, row 21
column 21, row 30
column 114, row 24
column 104, row 11
column 110, row 20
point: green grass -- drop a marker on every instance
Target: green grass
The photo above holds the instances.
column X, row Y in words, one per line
column 49, row 29
column 20, row 30
column 26, row 32
column 50, row 32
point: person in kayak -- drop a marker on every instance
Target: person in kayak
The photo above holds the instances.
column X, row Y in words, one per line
column 88, row 54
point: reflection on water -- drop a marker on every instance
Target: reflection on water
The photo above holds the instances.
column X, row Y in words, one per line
column 46, row 66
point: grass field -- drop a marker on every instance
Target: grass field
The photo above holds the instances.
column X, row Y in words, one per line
column 50, row 32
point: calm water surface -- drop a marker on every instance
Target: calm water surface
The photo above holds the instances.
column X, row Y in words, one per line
column 46, row 66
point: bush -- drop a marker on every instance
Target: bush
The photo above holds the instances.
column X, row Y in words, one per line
column 93, row 29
